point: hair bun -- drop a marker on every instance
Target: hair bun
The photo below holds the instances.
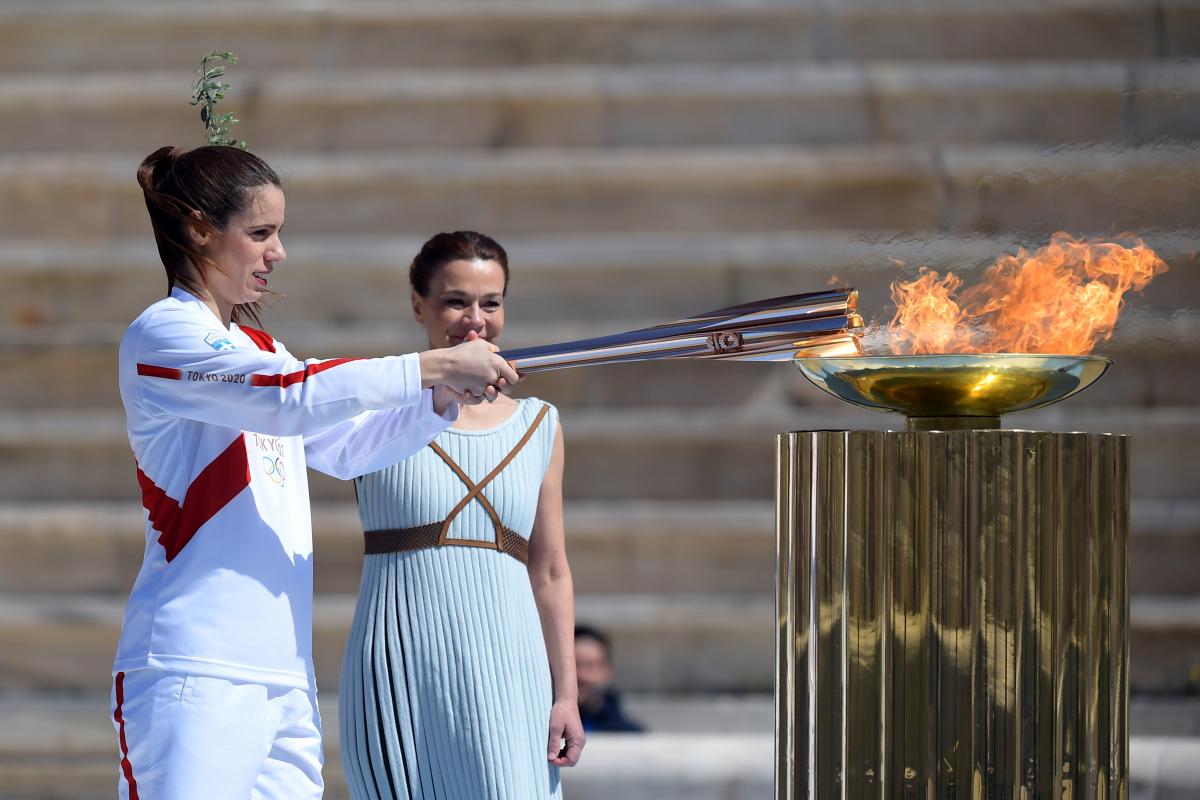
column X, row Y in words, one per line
column 145, row 171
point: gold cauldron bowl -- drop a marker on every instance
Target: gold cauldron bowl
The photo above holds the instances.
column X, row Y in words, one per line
column 954, row 392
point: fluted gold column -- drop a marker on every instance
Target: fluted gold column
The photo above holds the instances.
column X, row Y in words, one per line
column 953, row 615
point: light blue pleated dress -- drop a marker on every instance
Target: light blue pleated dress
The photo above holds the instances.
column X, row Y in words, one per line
column 446, row 689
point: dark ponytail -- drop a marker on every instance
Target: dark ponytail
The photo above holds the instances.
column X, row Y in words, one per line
column 201, row 188
column 457, row 246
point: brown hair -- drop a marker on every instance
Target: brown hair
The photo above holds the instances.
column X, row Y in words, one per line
column 201, row 188
column 457, row 246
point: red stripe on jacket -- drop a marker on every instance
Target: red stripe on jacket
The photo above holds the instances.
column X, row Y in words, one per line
column 151, row 371
column 126, row 766
column 299, row 376
column 216, row 485
column 263, row 339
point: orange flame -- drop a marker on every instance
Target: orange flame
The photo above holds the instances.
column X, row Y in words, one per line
column 1062, row 298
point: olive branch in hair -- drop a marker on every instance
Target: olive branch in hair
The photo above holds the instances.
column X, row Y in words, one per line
column 207, row 90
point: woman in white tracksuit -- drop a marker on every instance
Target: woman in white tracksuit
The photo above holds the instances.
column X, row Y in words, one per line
column 213, row 688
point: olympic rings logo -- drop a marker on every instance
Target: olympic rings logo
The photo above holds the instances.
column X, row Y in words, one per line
column 274, row 469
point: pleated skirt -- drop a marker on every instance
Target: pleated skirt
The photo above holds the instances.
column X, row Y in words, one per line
column 446, row 690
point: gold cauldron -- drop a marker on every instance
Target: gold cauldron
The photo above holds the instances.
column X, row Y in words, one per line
column 953, row 602
column 954, row 392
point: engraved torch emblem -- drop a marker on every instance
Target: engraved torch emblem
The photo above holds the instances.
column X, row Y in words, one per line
column 726, row 342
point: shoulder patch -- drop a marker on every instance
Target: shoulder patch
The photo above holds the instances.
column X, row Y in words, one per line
column 218, row 342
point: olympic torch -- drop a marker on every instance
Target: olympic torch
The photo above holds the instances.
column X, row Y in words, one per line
column 777, row 329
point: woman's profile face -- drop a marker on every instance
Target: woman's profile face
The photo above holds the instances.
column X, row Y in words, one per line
column 247, row 250
column 464, row 296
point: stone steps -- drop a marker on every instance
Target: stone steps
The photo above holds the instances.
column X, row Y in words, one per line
column 1164, row 548
column 77, row 726
column 676, row 643
column 953, row 190
column 63, row 748
column 663, row 548
column 622, row 456
column 614, row 455
column 640, row 159
column 685, row 643
column 650, row 767
column 1164, row 646
column 346, row 35
column 631, row 548
column 599, row 279
column 1165, row 716
column 702, row 104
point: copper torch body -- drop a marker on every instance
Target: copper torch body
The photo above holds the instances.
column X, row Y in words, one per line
column 953, row 615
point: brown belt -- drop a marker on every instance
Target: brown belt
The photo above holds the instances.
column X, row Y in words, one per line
column 422, row 537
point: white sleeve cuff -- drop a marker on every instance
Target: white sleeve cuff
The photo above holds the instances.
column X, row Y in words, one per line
column 450, row 415
column 394, row 382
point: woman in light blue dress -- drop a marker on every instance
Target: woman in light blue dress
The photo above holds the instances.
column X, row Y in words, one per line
column 459, row 677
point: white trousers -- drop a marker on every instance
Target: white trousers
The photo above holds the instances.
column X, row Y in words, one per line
column 189, row 736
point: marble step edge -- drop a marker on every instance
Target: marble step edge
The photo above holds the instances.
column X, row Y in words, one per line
column 752, row 519
column 664, row 547
column 642, row 613
column 73, row 724
column 708, row 613
column 1166, row 613
column 118, row 91
column 105, row 428
column 697, row 641
column 663, row 766
column 77, row 724
column 644, row 166
column 232, row 11
column 652, row 766
column 564, row 256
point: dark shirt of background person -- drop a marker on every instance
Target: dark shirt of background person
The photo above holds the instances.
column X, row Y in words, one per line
column 599, row 703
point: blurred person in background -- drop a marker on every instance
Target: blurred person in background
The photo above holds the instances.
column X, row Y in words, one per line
column 599, row 704
column 459, row 677
column 213, row 687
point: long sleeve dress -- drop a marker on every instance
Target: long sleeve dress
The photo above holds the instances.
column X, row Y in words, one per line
column 446, row 687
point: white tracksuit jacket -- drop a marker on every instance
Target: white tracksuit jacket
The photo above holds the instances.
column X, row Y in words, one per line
column 223, row 423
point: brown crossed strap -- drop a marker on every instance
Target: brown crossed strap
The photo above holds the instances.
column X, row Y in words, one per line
column 476, row 489
column 434, row 534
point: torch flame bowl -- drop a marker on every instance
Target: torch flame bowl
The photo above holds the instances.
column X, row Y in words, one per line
column 954, row 392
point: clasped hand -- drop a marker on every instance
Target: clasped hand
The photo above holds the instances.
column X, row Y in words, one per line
column 468, row 373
